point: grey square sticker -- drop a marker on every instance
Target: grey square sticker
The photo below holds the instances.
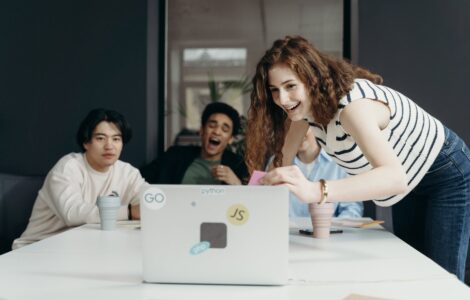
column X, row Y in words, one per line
column 215, row 234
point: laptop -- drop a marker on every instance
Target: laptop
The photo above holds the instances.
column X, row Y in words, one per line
column 215, row 234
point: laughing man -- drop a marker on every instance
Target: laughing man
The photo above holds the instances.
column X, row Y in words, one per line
column 210, row 163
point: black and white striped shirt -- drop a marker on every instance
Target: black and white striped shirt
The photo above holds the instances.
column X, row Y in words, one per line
column 416, row 136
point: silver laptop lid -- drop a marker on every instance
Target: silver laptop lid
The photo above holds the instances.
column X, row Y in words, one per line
column 215, row 234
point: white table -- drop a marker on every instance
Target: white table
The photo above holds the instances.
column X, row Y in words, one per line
column 87, row 263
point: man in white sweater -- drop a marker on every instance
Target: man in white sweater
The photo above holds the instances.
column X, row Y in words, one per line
column 68, row 196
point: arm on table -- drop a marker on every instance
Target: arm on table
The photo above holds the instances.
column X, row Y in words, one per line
column 66, row 200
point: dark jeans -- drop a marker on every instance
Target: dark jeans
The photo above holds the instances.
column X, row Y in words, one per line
column 434, row 218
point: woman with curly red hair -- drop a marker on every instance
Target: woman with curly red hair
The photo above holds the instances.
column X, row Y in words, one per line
column 398, row 153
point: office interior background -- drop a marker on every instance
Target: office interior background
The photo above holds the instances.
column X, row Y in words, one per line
column 59, row 59
column 152, row 61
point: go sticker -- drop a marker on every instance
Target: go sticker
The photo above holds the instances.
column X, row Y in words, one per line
column 153, row 198
column 237, row 214
column 199, row 248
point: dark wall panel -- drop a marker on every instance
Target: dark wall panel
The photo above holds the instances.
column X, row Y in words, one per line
column 58, row 60
column 421, row 48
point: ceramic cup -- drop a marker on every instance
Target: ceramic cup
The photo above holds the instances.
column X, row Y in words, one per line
column 108, row 207
column 321, row 215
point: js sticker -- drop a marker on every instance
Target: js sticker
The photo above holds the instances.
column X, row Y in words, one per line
column 238, row 214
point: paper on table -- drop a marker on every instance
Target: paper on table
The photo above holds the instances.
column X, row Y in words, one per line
column 129, row 224
column 356, row 223
column 362, row 297
column 255, row 177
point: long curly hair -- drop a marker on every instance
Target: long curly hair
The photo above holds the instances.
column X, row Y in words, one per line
column 326, row 78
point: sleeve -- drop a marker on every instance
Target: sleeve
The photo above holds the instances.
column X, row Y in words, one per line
column 349, row 210
column 135, row 184
column 65, row 197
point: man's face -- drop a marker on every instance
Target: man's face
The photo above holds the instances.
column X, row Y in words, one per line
column 105, row 146
column 215, row 136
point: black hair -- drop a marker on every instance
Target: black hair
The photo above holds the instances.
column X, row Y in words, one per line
column 98, row 115
column 222, row 108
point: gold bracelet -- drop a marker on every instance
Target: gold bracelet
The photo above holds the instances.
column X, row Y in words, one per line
column 324, row 191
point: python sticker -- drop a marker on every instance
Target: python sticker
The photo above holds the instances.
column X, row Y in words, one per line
column 238, row 214
column 213, row 191
column 199, row 248
column 153, row 198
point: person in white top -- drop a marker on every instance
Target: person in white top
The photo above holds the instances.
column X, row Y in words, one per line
column 398, row 153
column 68, row 195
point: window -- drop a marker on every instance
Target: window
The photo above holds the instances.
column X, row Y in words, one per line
column 214, row 46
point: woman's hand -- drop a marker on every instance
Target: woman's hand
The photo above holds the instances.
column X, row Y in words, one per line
column 293, row 178
column 225, row 174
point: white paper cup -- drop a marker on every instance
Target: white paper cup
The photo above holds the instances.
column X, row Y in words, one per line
column 108, row 207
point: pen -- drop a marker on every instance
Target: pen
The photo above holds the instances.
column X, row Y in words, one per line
column 310, row 232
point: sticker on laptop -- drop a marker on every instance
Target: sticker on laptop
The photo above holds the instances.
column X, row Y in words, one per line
column 199, row 248
column 215, row 233
column 238, row 214
column 153, row 198
column 213, row 191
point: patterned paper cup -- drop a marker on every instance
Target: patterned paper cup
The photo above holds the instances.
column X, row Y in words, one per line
column 108, row 207
column 321, row 215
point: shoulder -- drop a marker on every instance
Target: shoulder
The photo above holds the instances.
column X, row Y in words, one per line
column 70, row 168
column 71, row 162
column 122, row 168
column 364, row 115
column 323, row 157
column 127, row 174
column 365, row 89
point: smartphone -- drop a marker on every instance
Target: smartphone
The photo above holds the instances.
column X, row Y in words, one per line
column 310, row 232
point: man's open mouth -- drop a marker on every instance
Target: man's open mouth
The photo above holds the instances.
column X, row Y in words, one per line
column 214, row 141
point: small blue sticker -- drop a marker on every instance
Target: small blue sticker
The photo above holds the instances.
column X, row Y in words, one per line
column 200, row 247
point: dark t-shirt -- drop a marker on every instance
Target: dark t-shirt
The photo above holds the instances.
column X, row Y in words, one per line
column 171, row 167
column 199, row 172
